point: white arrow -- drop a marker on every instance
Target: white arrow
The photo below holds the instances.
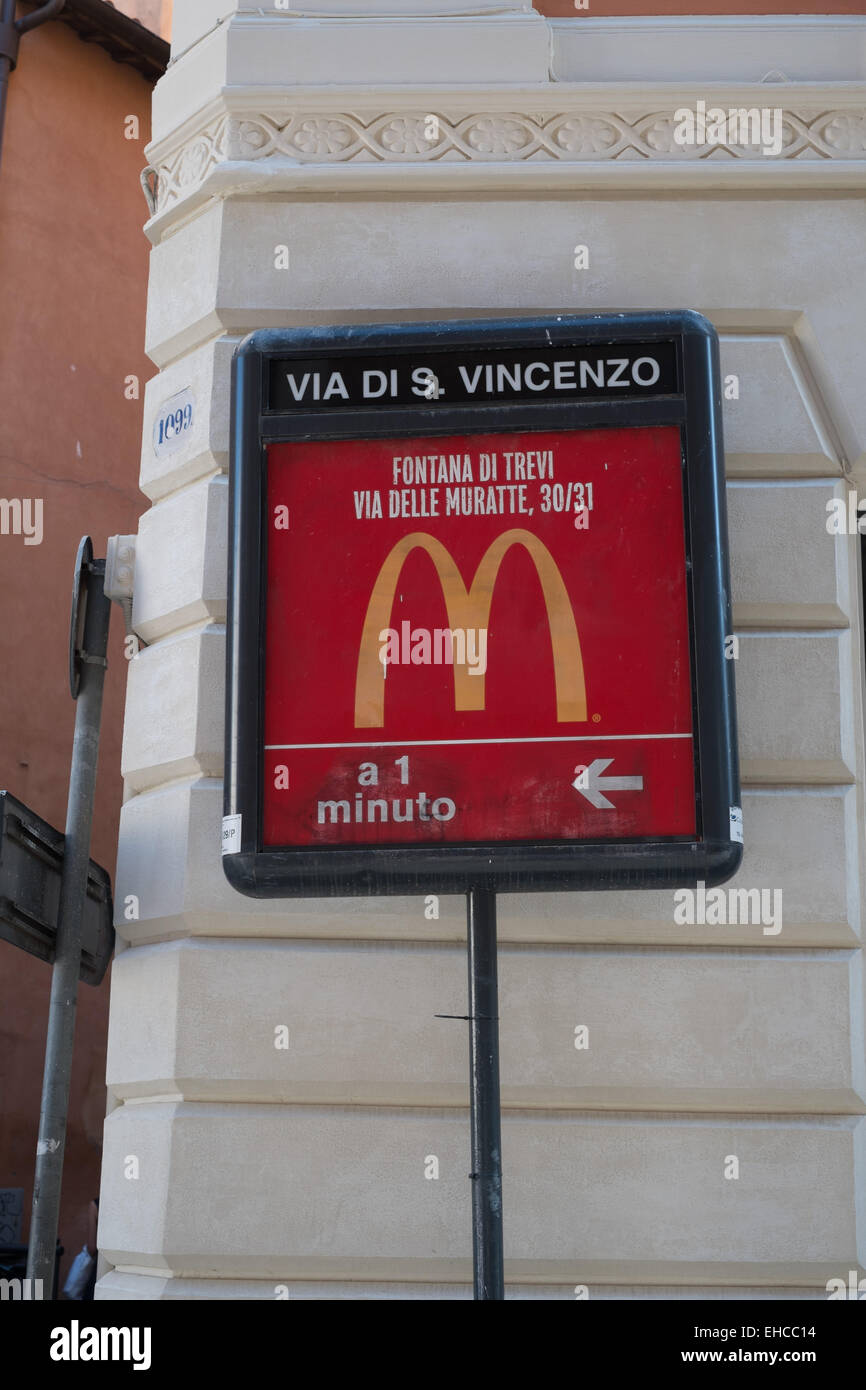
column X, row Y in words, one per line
column 589, row 782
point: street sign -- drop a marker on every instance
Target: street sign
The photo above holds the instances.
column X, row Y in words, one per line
column 31, row 867
column 478, row 611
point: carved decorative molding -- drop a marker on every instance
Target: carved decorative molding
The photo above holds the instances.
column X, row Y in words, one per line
column 418, row 137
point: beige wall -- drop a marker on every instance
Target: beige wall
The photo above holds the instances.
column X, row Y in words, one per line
column 306, row 1167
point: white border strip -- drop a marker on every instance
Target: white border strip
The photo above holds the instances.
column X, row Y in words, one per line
column 453, row 742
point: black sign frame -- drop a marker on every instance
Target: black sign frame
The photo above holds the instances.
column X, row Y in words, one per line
column 687, row 395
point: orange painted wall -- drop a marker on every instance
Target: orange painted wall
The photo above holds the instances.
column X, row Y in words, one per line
column 601, row 9
column 154, row 14
column 73, row 277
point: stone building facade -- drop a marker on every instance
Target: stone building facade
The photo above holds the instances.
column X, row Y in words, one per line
column 258, row 1169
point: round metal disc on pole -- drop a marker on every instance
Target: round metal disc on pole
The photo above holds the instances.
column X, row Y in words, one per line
column 78, row 613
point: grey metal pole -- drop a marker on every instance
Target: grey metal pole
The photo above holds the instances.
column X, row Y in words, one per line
column 64, row 977
column 484, row 1110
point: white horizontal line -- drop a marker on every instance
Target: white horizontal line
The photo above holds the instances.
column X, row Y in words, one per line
column 449, row 742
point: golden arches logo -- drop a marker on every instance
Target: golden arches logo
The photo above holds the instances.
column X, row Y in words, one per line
column 470, row 608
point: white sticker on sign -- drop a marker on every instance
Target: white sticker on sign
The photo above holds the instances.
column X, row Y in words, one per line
column 231, row 834
column 737, row 824
column 173, row 425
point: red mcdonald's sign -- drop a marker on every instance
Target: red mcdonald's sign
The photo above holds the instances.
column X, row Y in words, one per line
column 478, row 608
column 477, row 637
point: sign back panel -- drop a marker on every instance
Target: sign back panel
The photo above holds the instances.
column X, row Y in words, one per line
column 465, row 638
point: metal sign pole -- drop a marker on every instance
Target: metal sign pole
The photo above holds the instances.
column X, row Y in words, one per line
column 91, row 663
column 485, row 1124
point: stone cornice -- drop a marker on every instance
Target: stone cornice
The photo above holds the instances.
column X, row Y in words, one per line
column 558, row 136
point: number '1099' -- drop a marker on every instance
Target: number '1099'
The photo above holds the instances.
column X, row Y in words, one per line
column 175, row 423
